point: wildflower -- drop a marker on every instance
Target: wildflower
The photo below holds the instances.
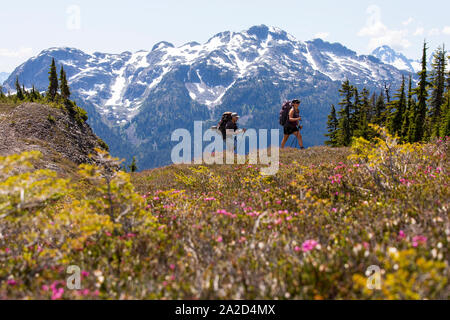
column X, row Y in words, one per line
column 219, row 239
column 334, row 210
column 418, row 240
column 57, row 294
column 84, row 273
column 278, row 202
column 297, row 248
column 11, row 282
column 393, row 251
column 155, row 198
column 45, row 287
column 309, row 245
column 172, row 266
column 401, row 235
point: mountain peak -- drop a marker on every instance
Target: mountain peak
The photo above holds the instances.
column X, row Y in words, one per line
column 161, row 45
column 389, row 56
column 261, row 31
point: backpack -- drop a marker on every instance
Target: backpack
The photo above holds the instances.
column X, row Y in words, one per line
column 284, row 112
column 226, row 117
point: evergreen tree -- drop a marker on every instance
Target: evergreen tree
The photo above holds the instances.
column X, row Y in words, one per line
column 380, row 111
column 344, row 134
column 445, row 119
column 422, row 94
column 133, row 166
column 399, row 107
column 53, row 82
column 362, row 129
column 355, row 112
column 19, row 91
column 332, row 126
column 406, row 117
column 372, row 103
column 437, row 90
column 64, row 87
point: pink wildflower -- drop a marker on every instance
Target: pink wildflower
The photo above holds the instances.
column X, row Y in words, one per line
column 418, row 240
column 11, row 282
column 57, row 294
column 401, row 235
column 309, row 245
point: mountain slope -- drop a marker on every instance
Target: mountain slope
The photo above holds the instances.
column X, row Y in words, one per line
column 135, row 100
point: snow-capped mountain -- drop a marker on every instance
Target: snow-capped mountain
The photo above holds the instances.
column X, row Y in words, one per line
column 3, row 76
column 389, row 56
column 128, row 96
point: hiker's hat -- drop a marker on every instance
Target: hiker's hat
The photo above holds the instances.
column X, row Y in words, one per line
column 234, row 115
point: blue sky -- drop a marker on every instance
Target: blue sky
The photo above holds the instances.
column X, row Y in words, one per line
column 28, row 27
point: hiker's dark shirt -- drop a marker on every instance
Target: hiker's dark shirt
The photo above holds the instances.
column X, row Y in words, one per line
column 293, row 124
column 231, row 125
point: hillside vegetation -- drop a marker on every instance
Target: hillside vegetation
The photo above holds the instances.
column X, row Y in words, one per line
column 213, row 232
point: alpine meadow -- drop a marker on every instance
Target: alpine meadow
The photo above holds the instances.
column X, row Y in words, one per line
column 93, row 205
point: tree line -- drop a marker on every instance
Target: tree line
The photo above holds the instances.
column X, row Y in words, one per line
column 414, row 113
column 52, row 94
column 57, row 94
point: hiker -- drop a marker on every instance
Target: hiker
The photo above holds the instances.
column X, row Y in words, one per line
column 291, row 122
column 232, row 125
column 229, row 122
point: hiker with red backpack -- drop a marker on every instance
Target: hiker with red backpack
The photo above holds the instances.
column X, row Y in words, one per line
column 289, row 119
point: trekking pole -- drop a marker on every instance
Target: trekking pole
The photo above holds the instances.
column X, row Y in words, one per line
column 292, row 143
column 240, row 143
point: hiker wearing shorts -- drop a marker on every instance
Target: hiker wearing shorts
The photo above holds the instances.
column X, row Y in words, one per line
column 292, row 125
